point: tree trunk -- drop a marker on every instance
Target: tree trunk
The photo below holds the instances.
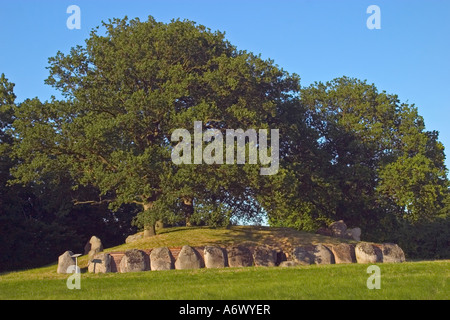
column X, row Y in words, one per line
column 188, row 210
column 159, row 225
column 149, row 229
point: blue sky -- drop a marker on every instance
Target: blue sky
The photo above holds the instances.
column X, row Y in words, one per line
column 317, row 39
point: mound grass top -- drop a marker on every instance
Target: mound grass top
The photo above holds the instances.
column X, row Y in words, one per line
column 284, row 238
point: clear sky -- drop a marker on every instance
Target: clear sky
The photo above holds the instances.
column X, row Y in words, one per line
column 317, row 39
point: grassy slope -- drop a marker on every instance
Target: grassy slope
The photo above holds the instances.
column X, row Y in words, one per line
column 412, row 280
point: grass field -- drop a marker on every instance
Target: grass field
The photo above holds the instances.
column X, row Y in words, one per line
column 427, row 280
column 411, row 280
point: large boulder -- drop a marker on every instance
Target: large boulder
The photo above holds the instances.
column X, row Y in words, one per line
column 134, row 260
column 239, row 256
column 338, row 229
column 303, row 255
column 93, row 246
column 188, row 258
column 214, row 257
column 161, row 259
column 100, row 263
column 392, row 253
column 343, row 253
column 354, row 234
column 323, row 255
column 65, row 261
column 367, row 253
column 264, row 256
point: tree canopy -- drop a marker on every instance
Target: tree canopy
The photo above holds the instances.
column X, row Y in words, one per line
column 125, row 92
column 373, row 160
column 346, row 150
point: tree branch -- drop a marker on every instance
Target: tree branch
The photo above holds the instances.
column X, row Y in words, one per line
column 92, row 202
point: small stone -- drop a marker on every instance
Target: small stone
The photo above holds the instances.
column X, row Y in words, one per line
column 289, row 263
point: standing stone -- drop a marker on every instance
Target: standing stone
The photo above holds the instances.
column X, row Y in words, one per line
column 323, row 255
column 264, row 257
column 214, row 257
column 188, row 258
column 134, row 260
column 239, row 256
column 367, row 253
column 101, row 263
column 343, row 253
column 303, row 255
column 338, row 229
column 161, row 259
column 392, row 253
column 93, row 246
column 65, row 261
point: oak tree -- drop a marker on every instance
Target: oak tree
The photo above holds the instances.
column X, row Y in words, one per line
column 125, row 92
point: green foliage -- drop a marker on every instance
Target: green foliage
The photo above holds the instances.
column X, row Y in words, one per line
column 373, row 164
column 126, row 91
column 417, row 183
column 38, row 221
column 425, row 240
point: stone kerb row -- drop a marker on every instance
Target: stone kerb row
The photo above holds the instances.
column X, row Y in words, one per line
column 188, row 257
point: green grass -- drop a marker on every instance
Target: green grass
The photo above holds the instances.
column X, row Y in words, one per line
column 199, row 236
column 410, row 280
